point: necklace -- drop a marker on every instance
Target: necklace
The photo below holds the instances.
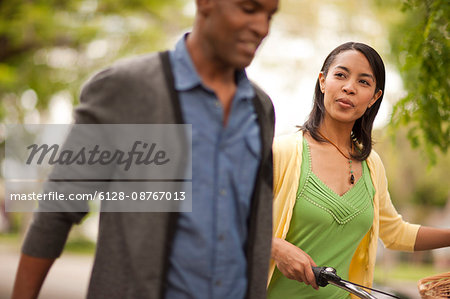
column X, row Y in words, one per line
column 352, row 177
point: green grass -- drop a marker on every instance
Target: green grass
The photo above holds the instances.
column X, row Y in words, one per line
column 10, row 240
column 405, row 272
column 80, row 246
column 76, row 245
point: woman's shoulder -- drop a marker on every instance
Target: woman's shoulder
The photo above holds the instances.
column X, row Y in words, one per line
column 376, row 166
column 287, row 151
column 287, row 142
column 374, row 159
column 291, row 138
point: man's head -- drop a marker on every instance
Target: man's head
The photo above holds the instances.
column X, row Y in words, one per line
column 230, row 31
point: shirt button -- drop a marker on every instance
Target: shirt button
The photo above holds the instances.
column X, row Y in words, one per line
column 218, row 283
column 218, row 105
column 221, row 237
column 223, row 192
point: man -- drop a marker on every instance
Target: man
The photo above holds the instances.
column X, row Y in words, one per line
column 221, row 249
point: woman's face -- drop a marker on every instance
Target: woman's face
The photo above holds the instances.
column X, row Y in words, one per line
column 349, row 87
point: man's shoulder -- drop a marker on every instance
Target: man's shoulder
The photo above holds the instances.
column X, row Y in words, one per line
column 263, row 98
column 132, row 90
column 139, row 73
column 136, row 63
column 129, row 68
column 260, row 92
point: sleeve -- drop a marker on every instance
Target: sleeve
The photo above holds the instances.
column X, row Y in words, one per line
column 287, row 160
column 284, row 155
column 48, row 231
column 47, row 234
column 395, row 232
column 286, row 171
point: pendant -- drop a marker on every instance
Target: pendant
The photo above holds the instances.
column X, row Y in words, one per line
column 352, row 179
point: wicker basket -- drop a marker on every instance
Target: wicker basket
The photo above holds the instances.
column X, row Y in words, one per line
column 437, row 286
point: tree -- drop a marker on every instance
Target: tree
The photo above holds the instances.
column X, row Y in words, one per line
column 49, row 47
column 52, row 45
column 411, row 183
column 420, row 43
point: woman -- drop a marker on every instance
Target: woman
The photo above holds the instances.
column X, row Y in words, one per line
column 331, row 202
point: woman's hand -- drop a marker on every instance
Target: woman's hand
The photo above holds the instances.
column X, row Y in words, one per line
column 293, row 262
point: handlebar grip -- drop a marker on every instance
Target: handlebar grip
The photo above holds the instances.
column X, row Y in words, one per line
column 320, row 279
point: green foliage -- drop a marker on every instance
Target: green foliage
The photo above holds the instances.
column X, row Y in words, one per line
column 47, row 46
column 421, row 42
column 411, row 180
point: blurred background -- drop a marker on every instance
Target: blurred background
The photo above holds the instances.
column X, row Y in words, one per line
column 49, row 48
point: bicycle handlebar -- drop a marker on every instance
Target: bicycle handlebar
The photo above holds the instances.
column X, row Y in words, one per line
column 327, row 275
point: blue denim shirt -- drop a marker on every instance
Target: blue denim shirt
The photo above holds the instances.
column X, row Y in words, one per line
column 208, row 259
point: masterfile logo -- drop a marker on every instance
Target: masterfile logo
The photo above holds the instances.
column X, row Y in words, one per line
column 140, row 153
column 129, row 168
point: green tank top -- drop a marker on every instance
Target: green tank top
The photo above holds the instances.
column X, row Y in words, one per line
column 326, row 226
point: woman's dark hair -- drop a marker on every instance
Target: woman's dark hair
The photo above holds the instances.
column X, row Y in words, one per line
column 362, row 129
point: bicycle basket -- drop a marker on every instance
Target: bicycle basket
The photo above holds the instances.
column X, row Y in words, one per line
column 437, row 286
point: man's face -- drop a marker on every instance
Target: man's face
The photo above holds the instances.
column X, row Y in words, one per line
column 234, row 29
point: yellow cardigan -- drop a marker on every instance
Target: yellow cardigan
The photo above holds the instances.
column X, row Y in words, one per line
column 387, row 223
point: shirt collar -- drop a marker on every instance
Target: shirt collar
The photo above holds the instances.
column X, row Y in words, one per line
column 186, row 76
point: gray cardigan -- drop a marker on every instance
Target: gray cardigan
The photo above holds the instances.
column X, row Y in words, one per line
column 132, row 253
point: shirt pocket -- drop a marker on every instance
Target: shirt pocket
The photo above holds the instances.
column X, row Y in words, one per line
column 249, row 164
column 253, row 144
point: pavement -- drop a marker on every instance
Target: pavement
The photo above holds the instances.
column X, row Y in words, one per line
column 403, row 289
column 68, row 278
